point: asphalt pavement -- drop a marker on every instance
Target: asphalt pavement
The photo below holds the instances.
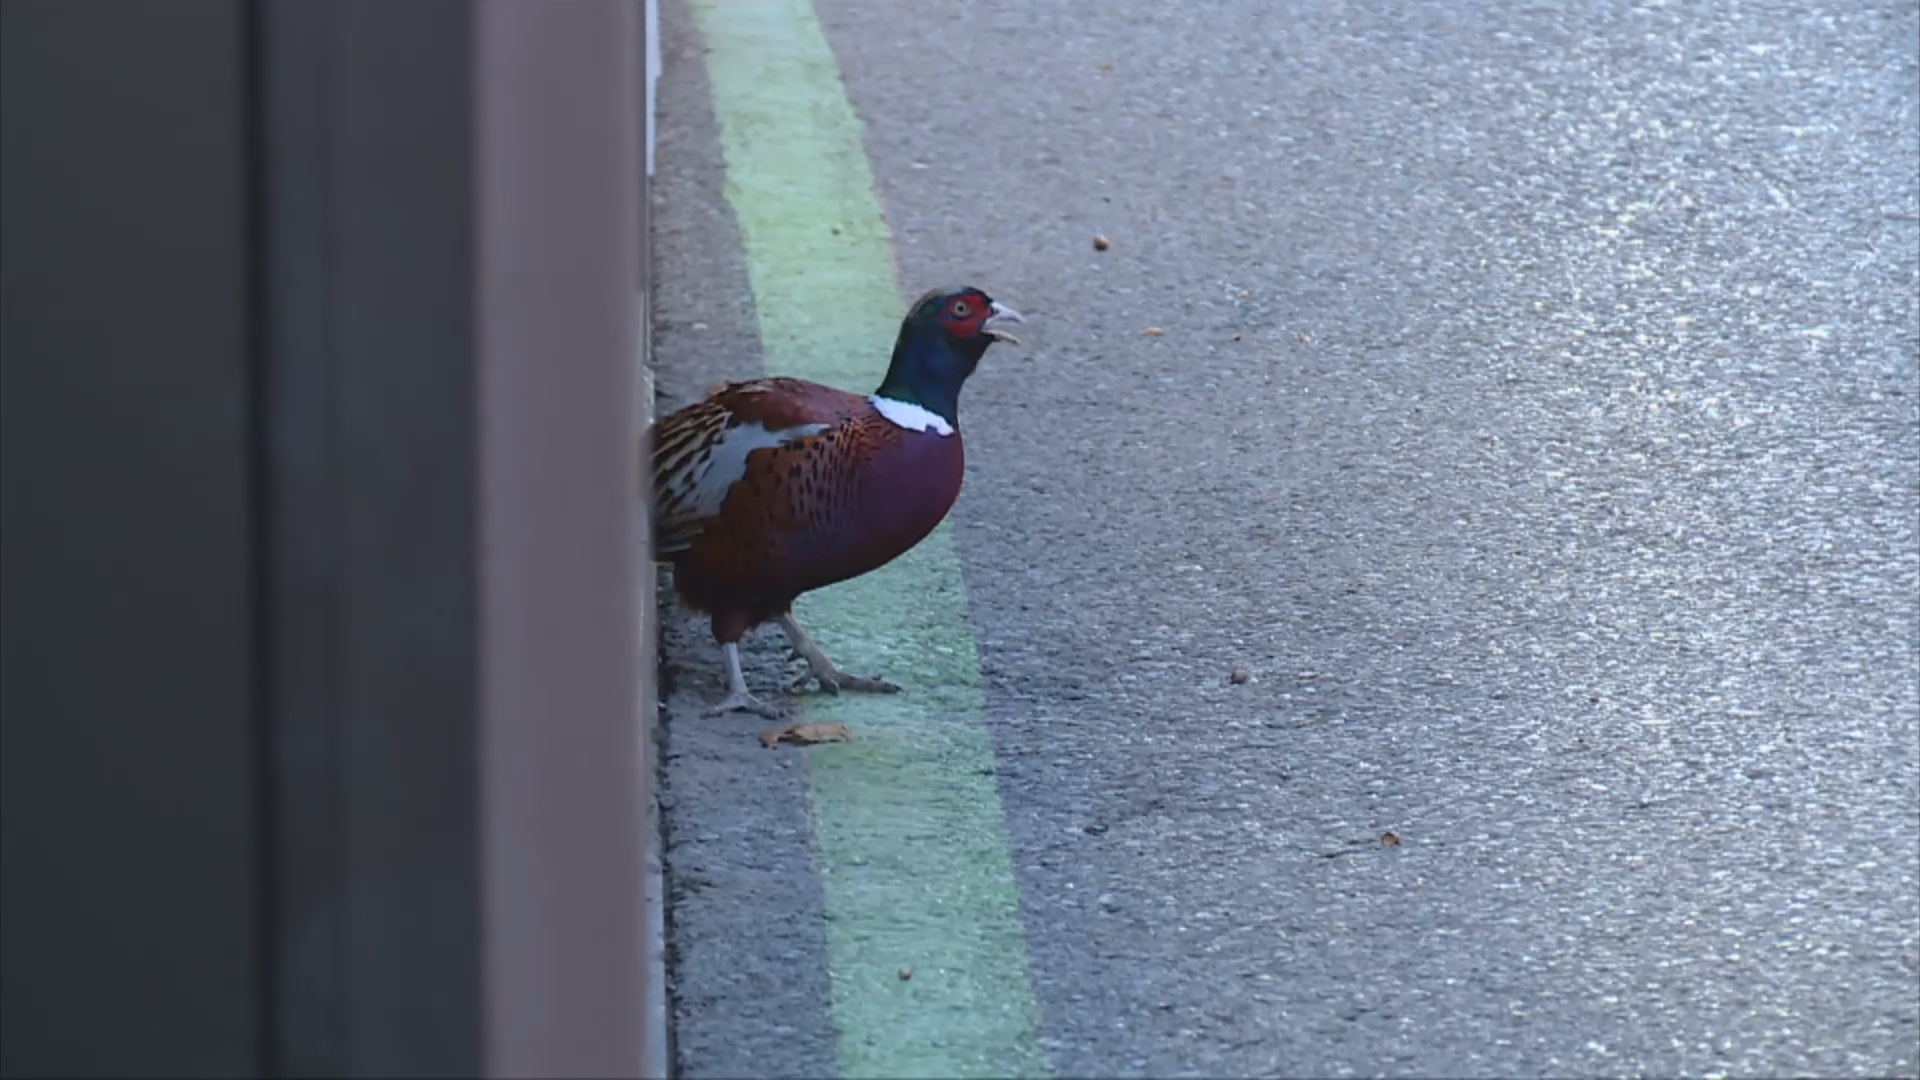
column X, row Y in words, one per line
column 1530, row 419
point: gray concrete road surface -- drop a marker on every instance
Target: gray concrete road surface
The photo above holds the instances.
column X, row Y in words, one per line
column 1536, row 423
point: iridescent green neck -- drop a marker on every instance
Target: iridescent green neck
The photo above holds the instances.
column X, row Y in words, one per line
column 928, row 368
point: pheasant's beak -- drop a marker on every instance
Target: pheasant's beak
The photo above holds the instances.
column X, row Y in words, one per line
column 998, row 315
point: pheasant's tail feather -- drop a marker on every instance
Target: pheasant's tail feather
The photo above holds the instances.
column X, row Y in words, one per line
column 683, row 445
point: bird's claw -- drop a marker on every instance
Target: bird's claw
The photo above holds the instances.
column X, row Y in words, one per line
column 740, row 701
column 833, row 681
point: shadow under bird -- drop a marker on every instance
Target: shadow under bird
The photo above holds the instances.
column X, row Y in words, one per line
column 771, row 488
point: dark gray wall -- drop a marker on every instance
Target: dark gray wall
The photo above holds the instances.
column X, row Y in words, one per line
column 129, row 829
column 370, row 568
column 322, row 639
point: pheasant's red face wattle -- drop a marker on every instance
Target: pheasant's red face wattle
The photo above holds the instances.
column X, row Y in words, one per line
column 966, row 313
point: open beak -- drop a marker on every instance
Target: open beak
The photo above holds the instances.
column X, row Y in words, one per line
column 997, row 316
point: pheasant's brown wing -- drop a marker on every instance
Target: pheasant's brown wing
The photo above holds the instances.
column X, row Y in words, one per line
column 700, row 451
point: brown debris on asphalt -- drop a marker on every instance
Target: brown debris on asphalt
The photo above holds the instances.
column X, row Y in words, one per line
column 1240, row 676
column 805, row 734
column 1101, row 243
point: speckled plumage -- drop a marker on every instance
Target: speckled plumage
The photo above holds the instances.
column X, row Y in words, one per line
column 770, row 488
column 818, row 508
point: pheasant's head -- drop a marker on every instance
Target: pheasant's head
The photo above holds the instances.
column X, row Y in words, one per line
column 941, row 341
column 967, row 315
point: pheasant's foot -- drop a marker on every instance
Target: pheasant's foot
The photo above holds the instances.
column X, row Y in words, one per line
column 739, row 698
column 833, row 680
column 821, row 670
column 742, row 701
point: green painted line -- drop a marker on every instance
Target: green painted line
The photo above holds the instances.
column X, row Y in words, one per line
column 910, row 841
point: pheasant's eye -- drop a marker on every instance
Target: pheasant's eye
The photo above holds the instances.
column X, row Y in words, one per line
column 960, row 309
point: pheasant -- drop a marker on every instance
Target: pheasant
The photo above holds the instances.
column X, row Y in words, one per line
column 771, row 488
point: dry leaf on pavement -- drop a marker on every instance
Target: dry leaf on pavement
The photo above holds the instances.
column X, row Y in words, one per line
column 805, row 734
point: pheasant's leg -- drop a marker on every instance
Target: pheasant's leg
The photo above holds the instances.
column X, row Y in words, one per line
column 738, row 698
column 831, row 679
